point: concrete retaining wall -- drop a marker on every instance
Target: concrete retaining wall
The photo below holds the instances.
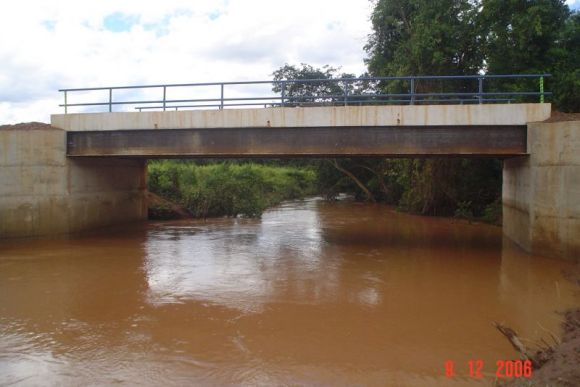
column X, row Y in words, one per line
column 44, row 193
column 541, row 192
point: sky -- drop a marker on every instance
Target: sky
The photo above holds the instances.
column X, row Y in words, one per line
column 46, row 45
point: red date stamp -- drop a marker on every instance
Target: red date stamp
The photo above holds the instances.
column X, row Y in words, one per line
column 503, row 369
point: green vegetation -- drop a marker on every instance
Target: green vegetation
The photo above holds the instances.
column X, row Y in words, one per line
column 466, row 37
column 227, row 188
column 466, row 188
column 540, row 36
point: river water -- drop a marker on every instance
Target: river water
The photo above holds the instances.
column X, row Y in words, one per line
column 314, row 293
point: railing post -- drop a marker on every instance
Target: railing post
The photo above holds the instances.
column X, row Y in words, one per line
column 480, row 90
column 222, row 96
column 65, row 103
column 412, row 90
column 541, row 89
column 110, row 100
column 283, row 87
column 164, row 97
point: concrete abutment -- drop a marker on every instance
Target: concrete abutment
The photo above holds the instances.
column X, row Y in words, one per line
column 541, row 192
column 42, row 192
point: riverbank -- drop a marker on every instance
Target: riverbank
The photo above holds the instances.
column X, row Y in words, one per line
column 557, row 364
column 561, row 367
column 224, row 188
column 159, row 208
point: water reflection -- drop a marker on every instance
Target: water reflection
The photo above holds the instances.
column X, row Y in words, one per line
column 240, row 263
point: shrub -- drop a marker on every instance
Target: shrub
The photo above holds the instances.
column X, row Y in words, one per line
column 229, row 189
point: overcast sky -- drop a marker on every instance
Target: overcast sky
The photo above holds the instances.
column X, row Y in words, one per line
column 50, row 44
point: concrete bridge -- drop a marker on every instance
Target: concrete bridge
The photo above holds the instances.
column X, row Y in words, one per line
column 341, row 131
column 89, row 170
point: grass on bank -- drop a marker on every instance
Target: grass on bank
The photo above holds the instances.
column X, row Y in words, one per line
column 228, row 189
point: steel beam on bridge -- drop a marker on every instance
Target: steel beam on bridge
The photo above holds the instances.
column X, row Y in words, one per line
column 327, row 141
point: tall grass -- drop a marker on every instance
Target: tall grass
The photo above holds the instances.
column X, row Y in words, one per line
column 229, row 189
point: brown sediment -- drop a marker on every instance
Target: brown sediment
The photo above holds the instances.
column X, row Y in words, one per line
column 560, row 116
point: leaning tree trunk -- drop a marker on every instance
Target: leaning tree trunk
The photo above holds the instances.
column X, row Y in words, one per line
column 368, row 193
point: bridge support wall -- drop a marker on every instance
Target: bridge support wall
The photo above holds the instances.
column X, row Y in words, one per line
column 541, row 192
column 42, row 192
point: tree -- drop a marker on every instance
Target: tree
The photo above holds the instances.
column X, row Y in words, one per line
column 300, row 90
column 297, row 93
column 425, row 37
column 566, row 83
column 436, row 37
column 523, row 36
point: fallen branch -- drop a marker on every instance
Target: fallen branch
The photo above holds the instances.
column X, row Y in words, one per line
column 515, row 341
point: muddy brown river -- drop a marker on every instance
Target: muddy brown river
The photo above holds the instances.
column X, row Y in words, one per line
column 314, row 293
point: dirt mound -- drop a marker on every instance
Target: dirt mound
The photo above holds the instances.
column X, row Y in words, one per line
column 559, row 117
column 27, row 126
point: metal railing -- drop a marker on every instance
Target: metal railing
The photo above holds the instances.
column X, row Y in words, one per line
column 340, row 91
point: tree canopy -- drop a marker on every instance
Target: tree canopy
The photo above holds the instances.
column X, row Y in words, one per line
column 420, row 37
column 455, row 37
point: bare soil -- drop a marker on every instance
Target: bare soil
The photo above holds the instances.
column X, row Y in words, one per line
column 28, row 126
column 559, row 365
column 562, row 365
column 559, row 117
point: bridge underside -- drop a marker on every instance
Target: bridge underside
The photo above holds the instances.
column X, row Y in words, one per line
column 344, row 141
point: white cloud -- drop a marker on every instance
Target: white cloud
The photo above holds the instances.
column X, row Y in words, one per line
column 573, row 4
column 46, row 45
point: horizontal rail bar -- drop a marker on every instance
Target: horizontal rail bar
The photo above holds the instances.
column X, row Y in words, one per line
column 290, row 99
column 337, row 102
column 431, row 77
column 342, row 94
column 198, row 106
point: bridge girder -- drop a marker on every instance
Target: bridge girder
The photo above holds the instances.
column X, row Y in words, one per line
column 337, row 141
